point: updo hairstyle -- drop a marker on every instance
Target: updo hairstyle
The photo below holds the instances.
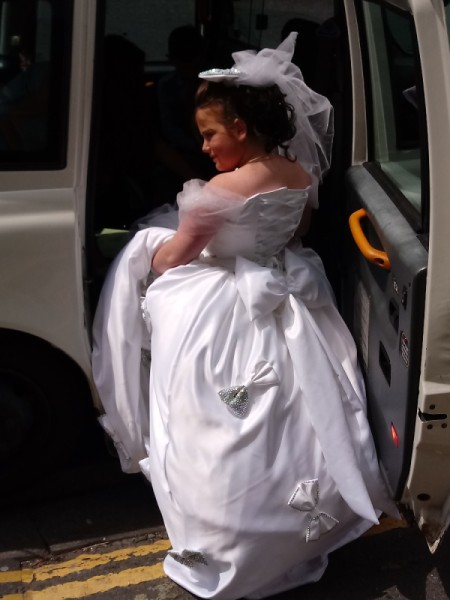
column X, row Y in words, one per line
column 269, row 118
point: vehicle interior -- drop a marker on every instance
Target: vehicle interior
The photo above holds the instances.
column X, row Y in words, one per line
column 143, row 140
column 136, row 162
column 144, row 146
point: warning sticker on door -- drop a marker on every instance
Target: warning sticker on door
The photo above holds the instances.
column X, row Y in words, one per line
column 361, row 319
column 404, row 348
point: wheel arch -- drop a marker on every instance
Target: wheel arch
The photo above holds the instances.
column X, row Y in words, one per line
column 46, row 406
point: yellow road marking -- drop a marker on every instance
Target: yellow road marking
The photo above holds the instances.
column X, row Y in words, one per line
column 14, row 576
column 90, row 561
column 386, row 524
column 80, row 563
column 97, row 585
column 102, row 583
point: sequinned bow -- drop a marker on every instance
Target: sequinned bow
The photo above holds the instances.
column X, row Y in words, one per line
column 306, row 499
column 188, row 558
column 237, row 398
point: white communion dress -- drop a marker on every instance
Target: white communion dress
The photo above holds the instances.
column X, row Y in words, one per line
column 233, row 385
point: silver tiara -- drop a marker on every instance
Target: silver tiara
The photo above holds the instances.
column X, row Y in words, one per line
column 218, row 75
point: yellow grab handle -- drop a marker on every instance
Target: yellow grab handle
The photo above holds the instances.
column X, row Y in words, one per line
column 379, row 257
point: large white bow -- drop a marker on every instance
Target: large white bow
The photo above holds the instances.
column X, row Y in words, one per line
column 263, row 289
column 300, row 290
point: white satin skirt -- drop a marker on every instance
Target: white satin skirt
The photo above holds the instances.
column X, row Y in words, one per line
column 249, row 420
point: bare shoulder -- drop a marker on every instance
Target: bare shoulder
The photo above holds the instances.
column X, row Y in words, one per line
column 264, row 176
column 231, row 181
column 222, row 180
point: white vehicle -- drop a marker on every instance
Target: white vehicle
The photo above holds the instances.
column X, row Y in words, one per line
column 81, row 147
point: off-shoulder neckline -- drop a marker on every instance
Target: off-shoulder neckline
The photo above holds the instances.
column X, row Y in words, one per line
column 273, row 191
column 281, row 189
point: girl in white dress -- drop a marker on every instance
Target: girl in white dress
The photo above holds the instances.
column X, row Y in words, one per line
column 233, row 383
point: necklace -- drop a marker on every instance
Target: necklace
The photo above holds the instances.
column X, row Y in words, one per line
column 260, row 157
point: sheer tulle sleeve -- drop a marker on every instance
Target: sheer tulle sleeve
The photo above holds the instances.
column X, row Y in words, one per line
column 165, row 215
column 203, row 207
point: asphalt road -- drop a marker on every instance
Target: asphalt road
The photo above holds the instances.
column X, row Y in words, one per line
column 91, row 532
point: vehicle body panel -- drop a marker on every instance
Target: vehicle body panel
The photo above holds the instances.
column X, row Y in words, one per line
column 42, row 223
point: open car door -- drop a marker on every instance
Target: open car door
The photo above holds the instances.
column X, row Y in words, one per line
column 397, row 297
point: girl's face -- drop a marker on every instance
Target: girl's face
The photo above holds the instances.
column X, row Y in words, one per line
column 224, row 143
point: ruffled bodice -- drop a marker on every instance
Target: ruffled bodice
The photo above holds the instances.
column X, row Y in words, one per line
column 263, row 228
column 256, row 228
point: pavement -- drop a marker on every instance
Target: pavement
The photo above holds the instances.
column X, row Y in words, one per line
column 79, row 506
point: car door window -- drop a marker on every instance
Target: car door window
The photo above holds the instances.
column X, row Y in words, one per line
column 398, row 137
column 33, row 83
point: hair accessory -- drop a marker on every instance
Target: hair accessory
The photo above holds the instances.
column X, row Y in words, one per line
column 220, row 75
column 312, row 143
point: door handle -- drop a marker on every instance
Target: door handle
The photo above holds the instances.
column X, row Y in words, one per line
column 378, row 257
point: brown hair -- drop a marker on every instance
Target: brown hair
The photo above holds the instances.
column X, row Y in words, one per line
column 269, row 118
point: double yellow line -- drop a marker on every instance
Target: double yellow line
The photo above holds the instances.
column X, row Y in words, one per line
column 84, row 562
column 54, row 572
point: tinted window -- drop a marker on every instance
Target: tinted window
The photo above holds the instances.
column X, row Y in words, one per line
column 263, row 23
column 149, row 23
column 398, row 142
column 34, row 69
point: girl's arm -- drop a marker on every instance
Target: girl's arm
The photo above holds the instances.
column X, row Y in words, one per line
column 203, row 210
column 179, row 250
